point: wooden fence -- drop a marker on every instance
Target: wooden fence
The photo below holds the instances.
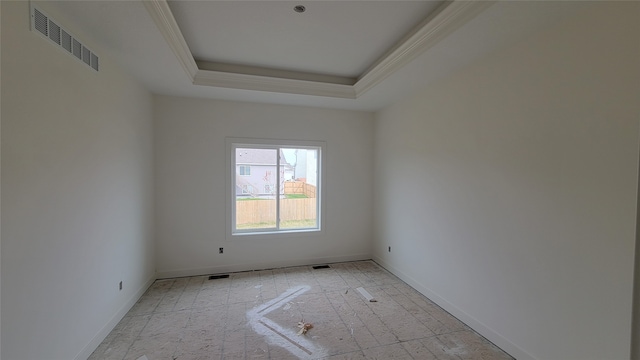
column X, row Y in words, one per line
column 299, row 187
column 264, row 211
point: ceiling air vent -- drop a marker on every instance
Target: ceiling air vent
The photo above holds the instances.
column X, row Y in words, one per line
column 94, row 61
column 54, row 32
column 86, row 55
column 65, row 40
column 42, row 24
column 77, row 49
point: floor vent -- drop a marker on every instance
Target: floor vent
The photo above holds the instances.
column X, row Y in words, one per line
column 216, row 277
column 321, row 267
column 42, row 24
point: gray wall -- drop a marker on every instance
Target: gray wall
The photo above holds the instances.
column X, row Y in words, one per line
column 77, row 186
column 191, row 192
column 508, row 190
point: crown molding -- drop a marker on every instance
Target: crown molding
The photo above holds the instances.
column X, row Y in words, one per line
column 271, row 72
column 449, row 17
column 273, row 84
column 163, row 17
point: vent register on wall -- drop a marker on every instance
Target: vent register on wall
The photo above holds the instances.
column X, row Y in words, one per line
column 44, row 25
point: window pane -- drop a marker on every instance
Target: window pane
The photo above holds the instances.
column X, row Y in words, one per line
column 298, row 203
column 275, row 187
column 255, row 178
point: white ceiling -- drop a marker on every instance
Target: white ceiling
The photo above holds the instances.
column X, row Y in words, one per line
column 339, row 38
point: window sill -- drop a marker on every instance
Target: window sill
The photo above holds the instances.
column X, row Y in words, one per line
column 280, row 234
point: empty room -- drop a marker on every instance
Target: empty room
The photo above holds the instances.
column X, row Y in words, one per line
column 396, row 179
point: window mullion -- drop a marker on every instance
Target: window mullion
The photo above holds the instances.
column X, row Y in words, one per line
column 278, row 190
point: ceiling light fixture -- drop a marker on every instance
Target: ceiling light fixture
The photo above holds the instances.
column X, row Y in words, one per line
column 299, row 8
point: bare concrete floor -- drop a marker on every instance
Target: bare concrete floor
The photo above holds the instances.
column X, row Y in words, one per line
column 255, row 315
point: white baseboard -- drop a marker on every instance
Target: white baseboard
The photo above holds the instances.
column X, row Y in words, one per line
column 472, row 322
column 115, row 319
column 258, row 266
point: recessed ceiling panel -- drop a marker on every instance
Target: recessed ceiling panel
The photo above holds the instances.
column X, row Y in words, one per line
column 133, row 39
column 341, row 38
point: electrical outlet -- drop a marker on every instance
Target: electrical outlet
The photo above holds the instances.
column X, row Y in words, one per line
column 120, row 285
column 389, row 248
column 221, row 250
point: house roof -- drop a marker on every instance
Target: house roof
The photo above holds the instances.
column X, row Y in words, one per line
column 246, row 156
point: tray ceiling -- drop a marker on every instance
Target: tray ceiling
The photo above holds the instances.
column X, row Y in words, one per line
column 346, row 54
column 386, row 50
column 339, row 38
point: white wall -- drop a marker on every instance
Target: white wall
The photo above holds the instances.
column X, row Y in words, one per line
column 508, row 190
column 190, row 189
column 77, row 183
column 0, row 197
column 635, row 329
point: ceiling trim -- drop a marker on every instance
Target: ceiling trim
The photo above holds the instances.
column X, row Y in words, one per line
column 272, row 84
column 270, row 72
column 163, row 17
column 449, row 17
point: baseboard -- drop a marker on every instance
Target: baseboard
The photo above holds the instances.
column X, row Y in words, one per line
column 166, row 274
column 115, row 319
column 499, row 340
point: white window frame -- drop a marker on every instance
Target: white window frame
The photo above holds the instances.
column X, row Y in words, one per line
column 231, row 144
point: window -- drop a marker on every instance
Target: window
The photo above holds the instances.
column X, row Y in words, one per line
column 245, row 170
column 276, row 186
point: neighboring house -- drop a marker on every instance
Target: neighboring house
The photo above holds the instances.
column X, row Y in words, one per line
column 306, row 166
column 311, row 168
column 256, row 172
column 300, row 172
